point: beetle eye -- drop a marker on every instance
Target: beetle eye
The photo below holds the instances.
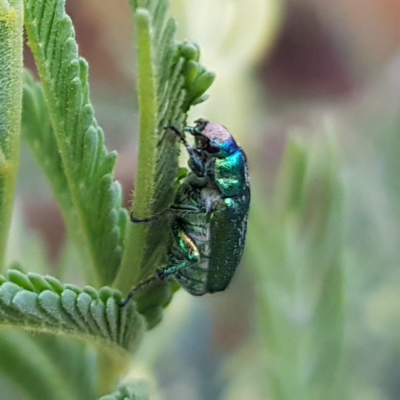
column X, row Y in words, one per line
column 212, row 148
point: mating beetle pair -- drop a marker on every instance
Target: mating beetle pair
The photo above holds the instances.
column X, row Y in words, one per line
column 209, row 213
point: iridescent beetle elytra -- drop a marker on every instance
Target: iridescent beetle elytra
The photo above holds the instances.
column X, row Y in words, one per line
column 209, row 213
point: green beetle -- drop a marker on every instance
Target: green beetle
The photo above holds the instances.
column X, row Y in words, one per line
column 209, row 213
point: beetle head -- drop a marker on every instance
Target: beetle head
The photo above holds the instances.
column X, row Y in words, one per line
column 213, row 139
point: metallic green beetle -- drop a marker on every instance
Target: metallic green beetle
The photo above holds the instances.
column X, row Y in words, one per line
column 209, row 213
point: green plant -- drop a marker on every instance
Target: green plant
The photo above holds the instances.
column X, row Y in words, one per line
column 59, row 125
column 300, row 275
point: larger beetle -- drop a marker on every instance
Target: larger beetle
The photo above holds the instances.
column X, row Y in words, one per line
column 209, row 213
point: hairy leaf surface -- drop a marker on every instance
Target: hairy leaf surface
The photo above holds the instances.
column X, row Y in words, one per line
column 43, row 304
column 79, row 152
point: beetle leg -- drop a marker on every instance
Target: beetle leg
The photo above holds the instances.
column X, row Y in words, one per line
column 186, row 249
column 136, row 288
column 194, row 156
column 152, row 218
column 184, row 253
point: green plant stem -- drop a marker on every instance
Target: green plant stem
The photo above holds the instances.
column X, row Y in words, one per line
column 11, row 23
column 147, row 92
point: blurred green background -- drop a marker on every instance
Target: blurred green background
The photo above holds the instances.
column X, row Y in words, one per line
column 311, row 90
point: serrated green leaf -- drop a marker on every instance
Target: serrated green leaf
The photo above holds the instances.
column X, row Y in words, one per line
column 55, row 308
column 38, row 133
column 86, row 165
column 296, row 246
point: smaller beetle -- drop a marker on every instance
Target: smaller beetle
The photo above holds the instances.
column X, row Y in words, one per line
column 209, row 213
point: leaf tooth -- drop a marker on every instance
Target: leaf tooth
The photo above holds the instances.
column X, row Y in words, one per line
column 69, row 299
column 106, row 164
column 191, row 71
column 110, row 198
column 50, row 47
column 20, row 279
column 50, row 303
column 112, row 314
column 175, row 89
column 173, row 86
column 39, row 282
column 97, row 311
column 117, row 188
column 55, row 284
column 117, row 254
column 73, row 106
column 98, row 201
column 166, row 52
column 109, row 238
column 64, row 44
column 84, row 77
column 70, row 71
column 85, row 154
column 122, row 220
column 189, row 50
column 98, row 152
column 83, row 304
column 8, row 290
column 123, row 323
column 46, row 23
column 105, row 293
column 91, row 291
column 65, row 68
column 28, row 305
column 177, row 100
column 110, row 228
column 113, row 230
column 86, row 117
column 202, row 82
column 159, row 11
column 73, row 288
column 36, row 10
column 88, row 155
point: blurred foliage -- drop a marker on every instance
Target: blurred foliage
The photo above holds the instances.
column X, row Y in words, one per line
column 299, row 275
